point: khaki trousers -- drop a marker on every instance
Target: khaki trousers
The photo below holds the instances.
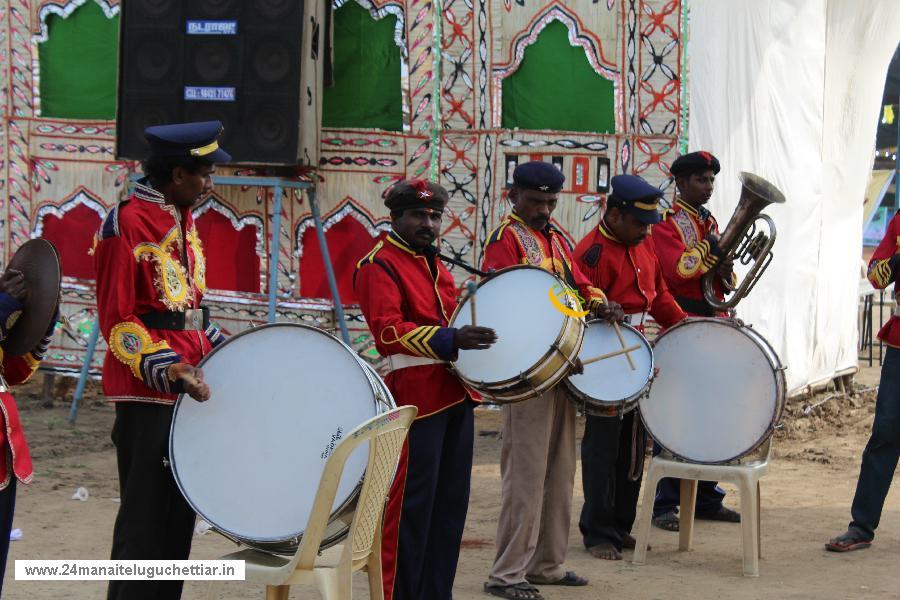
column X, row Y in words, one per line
column 537, row 465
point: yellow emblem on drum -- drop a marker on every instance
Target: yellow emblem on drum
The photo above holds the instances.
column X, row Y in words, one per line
column 558, row 298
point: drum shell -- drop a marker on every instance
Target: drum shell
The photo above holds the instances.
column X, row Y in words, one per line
column 540, row 377
column 779, row 390
column 341, row 517
column 604, row 408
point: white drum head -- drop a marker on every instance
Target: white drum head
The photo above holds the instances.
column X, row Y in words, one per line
column 717, row 392
column 612, row 381
column 516, row 304
column 249, row 459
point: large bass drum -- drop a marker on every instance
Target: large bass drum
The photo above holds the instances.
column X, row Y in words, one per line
column 719, row 392
column 249, row 459
column 539, row 334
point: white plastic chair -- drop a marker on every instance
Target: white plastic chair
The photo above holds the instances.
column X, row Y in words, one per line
column 333, row 569
column 745, row 474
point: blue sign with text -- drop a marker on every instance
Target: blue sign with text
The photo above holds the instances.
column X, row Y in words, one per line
column 211, row 27
column 209, row 94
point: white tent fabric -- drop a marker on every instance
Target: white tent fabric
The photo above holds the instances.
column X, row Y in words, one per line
column 791, row 90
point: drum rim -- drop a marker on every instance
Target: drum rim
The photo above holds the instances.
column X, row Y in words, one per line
column 779, row 382
column 256, row 541
column 553, row 360
column 631, row 401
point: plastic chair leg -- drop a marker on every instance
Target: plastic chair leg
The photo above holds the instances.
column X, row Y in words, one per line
column 688, row 502
column 334, row 584
column 758, row 519
column 376, row 584
column 277, row 592
column 748, row 527
column 643, row 529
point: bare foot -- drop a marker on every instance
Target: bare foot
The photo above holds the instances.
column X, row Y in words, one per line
column 605, row 551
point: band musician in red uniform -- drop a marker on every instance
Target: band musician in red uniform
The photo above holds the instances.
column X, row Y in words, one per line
column 151, row 275
column 686, row 244
column 617, row 257
column 407, row 296
column 537, row 459
column 15, row 459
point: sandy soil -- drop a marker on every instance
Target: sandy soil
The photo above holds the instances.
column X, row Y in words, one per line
column 806, row 499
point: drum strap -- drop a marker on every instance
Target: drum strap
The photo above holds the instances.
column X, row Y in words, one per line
column 638, row 448
column 570, row 279
column 404, row 361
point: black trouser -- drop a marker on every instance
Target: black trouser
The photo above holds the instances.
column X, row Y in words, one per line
column 879, row 459
column 154, row 521
column 435, row 502
column 610, row 497
column 7, row 508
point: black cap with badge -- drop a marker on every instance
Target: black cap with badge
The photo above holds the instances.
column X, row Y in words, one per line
column 200, row 140
column 632, row 194
column 540, row 176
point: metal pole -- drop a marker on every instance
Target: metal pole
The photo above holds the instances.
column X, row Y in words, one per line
column 275, row 250
column 329, row 268
column 85, row 370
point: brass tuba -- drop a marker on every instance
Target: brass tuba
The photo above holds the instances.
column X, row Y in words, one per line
column 743, row 243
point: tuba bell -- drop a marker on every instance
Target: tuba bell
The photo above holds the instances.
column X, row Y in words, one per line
column 743, row 243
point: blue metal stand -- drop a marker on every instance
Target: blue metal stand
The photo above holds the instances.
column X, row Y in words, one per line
column 85, row 370
column 278, row 185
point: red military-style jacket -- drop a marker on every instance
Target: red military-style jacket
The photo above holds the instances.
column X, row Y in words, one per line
column 515, row 243
column 13, row 446
column 148, row 259
column 15, row 459
column 685, row 244
column 408, row 299
column 630, row 275
column 883, row 270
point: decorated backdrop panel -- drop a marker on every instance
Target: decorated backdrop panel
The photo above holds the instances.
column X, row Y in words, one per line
column 459, row 91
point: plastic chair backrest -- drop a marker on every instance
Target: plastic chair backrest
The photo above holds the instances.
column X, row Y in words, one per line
column 385, row 434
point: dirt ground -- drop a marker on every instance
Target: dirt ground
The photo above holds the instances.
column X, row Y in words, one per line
column 806, row 499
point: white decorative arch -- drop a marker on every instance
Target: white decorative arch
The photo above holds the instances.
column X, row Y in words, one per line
column 215, row 203
column 64, row 8
column 347, row 208
column 578, row 36
column 81, row 196
column 378, row 12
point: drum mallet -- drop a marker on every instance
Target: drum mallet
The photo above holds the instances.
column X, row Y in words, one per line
column 471, row 288
column 625, row 350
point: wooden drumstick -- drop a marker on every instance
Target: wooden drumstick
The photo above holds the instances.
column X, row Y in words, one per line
column 622, row 341
column 472, row 287
column 624, row 351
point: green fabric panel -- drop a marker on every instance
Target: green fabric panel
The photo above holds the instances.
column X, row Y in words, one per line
column 78, row 65
column 366, row 91
column 556, row 88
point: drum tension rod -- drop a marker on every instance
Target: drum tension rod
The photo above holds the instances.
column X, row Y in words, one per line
column 527, row 381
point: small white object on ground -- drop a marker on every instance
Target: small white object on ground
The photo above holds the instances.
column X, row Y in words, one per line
column 202, row 527
column 81, row 494
column 15, row 535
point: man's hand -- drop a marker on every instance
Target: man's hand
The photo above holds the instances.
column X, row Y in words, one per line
column 192, row 378
column 578, row 367
column 725, row 268
column 610, row 311
column 474, row 338
column 12, row 282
